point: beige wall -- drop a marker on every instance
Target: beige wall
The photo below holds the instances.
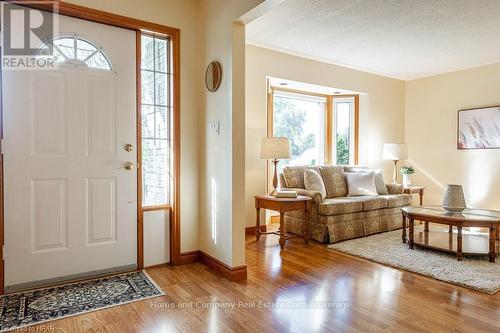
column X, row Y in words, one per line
column 183, row 15
column 381, row 111
column 222, row 157
column 431, row 134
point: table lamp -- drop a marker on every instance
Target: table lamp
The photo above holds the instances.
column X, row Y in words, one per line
column 395, row 152
column 275, row 149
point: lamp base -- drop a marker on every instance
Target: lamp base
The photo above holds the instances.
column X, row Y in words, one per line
column 395, row 173
column 275, row 178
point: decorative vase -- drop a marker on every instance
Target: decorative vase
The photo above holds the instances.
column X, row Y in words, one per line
column 454, row 200
column 406, row 179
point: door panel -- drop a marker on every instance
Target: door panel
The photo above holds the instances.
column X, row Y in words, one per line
column 48, row 215
column 49, row 113
column 70, row 206
column 101, row 114
column 100, row 212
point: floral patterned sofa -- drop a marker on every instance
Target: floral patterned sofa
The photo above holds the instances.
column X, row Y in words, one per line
column 338, row 217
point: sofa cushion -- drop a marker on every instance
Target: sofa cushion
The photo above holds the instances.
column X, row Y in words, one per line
column 334, row 180
column 314, row 182
column 397, row 200
column 336, row 206
column 373, row 203
column 294, row 176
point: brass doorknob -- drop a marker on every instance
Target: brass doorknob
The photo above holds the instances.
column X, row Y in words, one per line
column 128, row 165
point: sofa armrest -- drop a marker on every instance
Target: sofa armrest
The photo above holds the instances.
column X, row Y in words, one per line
column 394, row 188
column 316, row 196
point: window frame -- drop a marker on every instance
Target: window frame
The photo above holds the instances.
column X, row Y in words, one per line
column 352, row 127
column 171, row 126
column 329, row 122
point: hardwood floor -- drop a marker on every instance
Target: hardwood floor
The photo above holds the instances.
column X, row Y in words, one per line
column 358, row 296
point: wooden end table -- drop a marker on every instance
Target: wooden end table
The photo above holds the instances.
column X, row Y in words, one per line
column 415, row 190
column 444, row 241
column 282, row 205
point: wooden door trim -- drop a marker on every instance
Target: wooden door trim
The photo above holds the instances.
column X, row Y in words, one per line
column 2, row 264
column 138, row 128
column 98, row 16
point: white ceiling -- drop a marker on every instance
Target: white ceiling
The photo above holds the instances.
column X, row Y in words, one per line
column 404, row 39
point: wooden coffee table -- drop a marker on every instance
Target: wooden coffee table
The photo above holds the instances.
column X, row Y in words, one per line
column 282, row 205
column 470, row 244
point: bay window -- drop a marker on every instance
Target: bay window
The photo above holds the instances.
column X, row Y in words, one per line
column 322, row 129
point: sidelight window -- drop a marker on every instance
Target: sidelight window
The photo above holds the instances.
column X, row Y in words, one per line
column 156, row 111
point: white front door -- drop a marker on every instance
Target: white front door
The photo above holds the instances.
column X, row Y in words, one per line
column 70, row 206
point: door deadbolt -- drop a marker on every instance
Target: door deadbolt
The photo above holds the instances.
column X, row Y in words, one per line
column 128, row 147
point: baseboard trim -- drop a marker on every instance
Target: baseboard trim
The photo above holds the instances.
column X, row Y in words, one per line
column 238, row 273
column 250, row 231
column 189, row 257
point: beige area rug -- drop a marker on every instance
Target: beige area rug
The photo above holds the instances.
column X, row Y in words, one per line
column 473, row 272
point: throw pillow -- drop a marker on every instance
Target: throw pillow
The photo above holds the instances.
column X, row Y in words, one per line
column 361, row 184
column 314, row 182
column 380, row 183
column 379, row 177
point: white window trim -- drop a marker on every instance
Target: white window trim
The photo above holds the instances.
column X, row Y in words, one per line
column 352, row 102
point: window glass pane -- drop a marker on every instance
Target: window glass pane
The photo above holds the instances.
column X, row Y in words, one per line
column 161, row 122
column 160, row 55
column 84, row 49
column 302, row 122
column 147, row 50
column 155, row 171
column 99, row 61
column 58, row 55
column 148, row 121
column 148, row 87
column 67, row 46
column 161, row 88
column 342, row 122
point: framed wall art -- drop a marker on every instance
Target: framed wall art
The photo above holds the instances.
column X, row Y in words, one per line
column 479, row 128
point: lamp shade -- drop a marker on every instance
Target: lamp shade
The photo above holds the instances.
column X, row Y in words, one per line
column 275, row 148
column 395, row 151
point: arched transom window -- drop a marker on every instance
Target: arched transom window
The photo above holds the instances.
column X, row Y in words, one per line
column 75, row 51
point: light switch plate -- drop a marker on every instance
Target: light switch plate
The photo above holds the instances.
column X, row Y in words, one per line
column 214, row 128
